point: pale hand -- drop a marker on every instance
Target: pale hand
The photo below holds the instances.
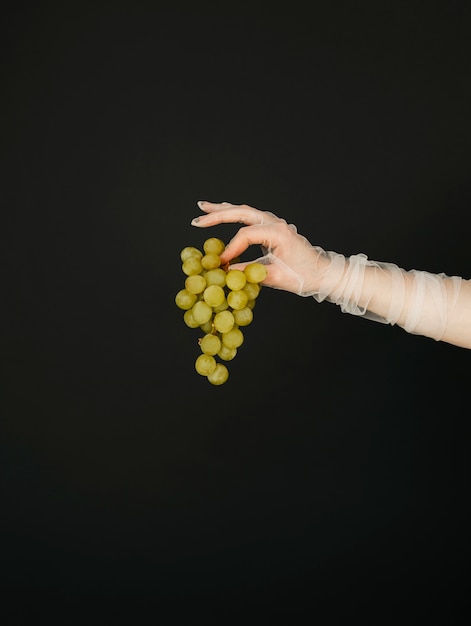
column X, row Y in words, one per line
column 291, row 260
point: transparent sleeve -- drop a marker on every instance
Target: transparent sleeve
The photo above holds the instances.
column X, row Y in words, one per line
column 418, row 301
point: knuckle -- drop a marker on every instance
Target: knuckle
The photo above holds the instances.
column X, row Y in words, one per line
column 284, row 227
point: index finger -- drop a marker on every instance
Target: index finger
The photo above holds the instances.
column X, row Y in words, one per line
column 256, row 234
column 218, row 213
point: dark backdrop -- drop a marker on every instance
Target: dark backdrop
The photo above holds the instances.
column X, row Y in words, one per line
column 328, row 479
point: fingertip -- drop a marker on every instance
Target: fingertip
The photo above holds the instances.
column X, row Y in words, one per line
column 206, row 206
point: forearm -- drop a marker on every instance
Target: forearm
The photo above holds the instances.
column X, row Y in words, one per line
column 433, row 305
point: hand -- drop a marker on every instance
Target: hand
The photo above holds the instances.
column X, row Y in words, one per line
column 290, row 259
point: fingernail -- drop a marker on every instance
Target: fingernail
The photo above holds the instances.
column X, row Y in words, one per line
column 200, row 202
column 195, row 221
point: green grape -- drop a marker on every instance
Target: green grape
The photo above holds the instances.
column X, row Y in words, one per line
column 195, row 283
column 234, row 338
column 216, row 276
column 251, row 303
column 189, row 319
column 223, row 321
column 205, row 364
column 252, row 290
column 190, row 251
column 255, row 272
column 237, row 299
column 184, row 299
column 202, row 312
column 235, row 279
column 207, row 327
column 192, row 265
column 222, row 307
column 210, row 261
column 219, row 375
column 227, row 354
column 210, row 344
column 213, row 245
column 214, row 295
column 243, row 317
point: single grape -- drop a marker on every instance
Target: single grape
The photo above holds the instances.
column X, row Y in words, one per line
column 237, row 299
column 189, row 319
column 255, row 272
column 202, row 312
column 205, row 364
column 221, row 307
column 184, row 299
column 210, row 344
column 252, row 290
column 243, row 317
column 234, row 338
column 216, row 276
column 223, row 321
column 213, row 245
column 210, row 261
column 190, row 251
column 207, row 327
column 214, row 295
column 251, row 303
column 195, row 283
column 220, row 374
column 192, row 265
column 235, row 279
column 226, row 354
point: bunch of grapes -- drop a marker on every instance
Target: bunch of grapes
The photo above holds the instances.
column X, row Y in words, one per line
column 218, row 301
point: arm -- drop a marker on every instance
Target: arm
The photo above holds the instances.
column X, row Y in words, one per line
column 433, row 305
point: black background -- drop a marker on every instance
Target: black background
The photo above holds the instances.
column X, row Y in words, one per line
column 328, row 479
